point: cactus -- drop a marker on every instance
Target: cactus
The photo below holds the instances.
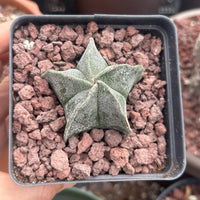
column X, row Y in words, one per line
column 94, row 94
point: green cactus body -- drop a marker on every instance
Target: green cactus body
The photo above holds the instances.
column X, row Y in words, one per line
column 94, row 94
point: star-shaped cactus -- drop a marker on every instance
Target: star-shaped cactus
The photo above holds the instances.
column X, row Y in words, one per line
column 94, row 94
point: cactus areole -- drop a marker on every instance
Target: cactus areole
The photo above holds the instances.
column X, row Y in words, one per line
column 94, row 94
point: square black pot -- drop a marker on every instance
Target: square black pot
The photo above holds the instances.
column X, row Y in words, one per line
column 173, row 116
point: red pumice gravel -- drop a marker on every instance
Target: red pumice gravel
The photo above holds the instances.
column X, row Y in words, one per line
column 38, row 117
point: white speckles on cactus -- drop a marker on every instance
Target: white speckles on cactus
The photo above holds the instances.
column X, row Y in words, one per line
column 94, row 95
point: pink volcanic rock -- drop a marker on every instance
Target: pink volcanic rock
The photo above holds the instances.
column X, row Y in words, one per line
column 20, row 158
column 67, row 51
column 59, row 160
column 63, row 174
column 81, row 171
column 36, row 135
column 27, row 171
column 128, row 169
column 22, row 138
column 27, row 92
column 33, row 31
column 22, row 59
column 41, row 172
column 120, row 34
column 85, row 143
column 112, row 138
column 136, row 39
column 130, row 31
column 97, row 134
column 47, row 116
column 41, row 86
column 160, row 129
column 114, row 170
column 44, row 65
column 24, row 117
column 57, row 124
column 92, row 27
column 96, row 151
column 67, row 33
column 119, row 156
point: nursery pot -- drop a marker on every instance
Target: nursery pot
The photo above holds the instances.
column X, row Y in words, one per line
column 177, row 185
column 193, row 162
column 159, row 26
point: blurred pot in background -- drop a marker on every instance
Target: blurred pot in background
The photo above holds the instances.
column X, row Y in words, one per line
column 188, row 26
column 184, row 189
column 118, row 6
column 166, row 7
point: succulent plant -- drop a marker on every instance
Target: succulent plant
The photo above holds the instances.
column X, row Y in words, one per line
column 94, row 94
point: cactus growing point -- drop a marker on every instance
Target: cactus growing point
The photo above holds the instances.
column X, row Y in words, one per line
column 94, row 94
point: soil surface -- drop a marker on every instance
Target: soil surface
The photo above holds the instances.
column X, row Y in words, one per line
column 39, row 152
column 188, row 31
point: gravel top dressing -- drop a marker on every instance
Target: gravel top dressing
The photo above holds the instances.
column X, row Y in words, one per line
column 39, row 151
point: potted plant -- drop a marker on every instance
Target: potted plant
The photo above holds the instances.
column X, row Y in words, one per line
column 61, row 69
column 187, row 25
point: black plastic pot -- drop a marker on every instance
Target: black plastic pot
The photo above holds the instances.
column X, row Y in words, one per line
column 173, row 117
column 178, row 184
